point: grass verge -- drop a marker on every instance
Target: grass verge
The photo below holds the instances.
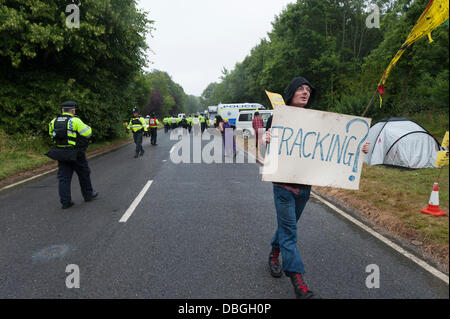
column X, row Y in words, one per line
column 21, row 153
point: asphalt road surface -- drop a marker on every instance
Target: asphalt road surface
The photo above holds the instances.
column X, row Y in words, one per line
column 199, row 231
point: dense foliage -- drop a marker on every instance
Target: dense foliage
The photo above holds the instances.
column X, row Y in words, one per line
column 99, row 64
column 328, row 42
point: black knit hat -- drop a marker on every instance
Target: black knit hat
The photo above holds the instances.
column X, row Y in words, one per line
column 69, row 105
column 294, row 85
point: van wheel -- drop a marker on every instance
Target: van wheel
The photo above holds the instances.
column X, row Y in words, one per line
column 246, row 134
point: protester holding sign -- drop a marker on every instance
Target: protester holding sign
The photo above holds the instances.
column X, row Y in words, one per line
column 290, row 200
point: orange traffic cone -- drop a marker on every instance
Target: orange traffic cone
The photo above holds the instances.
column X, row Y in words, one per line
column 433, row 204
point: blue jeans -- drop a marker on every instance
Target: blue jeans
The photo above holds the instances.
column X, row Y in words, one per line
column 289, row 207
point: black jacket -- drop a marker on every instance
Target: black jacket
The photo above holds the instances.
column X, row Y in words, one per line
column 290, row 91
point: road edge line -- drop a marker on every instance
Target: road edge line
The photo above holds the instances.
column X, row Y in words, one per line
column 385, row 240
column 380, row 237
column 55, row 169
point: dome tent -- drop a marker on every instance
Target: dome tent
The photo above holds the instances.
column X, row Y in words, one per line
column 398, row 141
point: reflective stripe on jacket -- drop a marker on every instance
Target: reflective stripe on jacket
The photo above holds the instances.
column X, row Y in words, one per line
column 77, row 132
column 137, row 124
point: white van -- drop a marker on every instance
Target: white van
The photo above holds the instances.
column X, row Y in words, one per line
column 244, row 121
column 232, row 111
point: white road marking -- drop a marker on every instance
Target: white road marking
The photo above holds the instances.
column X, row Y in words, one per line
column 135, row 203
column 29, row 179
column 394, row 246
column 172, row 149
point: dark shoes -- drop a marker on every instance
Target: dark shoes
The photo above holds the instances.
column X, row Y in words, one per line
column 301, row 291
column 274, row 263
column 136, row 156
column 65, row 206
column 142, row 153
column 87, row 199
column 92, row 197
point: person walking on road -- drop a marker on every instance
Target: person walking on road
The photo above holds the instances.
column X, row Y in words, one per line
column 166, row 124
column 290, row 201
column 202, row 122
column 257, row 124
column 225, row 129
column 138, row 126
column 70, row 136
column 153, row 125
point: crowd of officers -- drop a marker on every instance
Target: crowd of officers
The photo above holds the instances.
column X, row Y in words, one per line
column 148, row 126
column 71, row 135
column 186, row 122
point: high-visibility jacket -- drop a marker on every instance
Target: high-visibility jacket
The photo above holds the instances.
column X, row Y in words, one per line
column 68, row 130
column 153, row 122
column 137, row 123
column 196, row 121
column 202, row 119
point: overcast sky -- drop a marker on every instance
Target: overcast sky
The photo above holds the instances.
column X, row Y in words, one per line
column 195, row 39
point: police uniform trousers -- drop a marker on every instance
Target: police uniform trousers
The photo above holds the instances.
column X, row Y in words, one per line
column 138, row 141
column 153, row 135
column 65, row 172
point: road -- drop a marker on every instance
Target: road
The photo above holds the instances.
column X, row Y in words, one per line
column 200, row 231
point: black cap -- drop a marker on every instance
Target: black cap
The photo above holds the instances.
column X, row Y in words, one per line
column 69, row 105
column 294, row 85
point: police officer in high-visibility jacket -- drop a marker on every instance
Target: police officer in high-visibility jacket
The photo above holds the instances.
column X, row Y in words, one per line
column 138, row 126
column 202, row 122
column 147, row 119
column 71, row 136
column 166, row 124
column 153, row 125
column 173, row 120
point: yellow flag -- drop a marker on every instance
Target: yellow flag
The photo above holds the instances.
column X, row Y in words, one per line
column 442, row 159
column 445, row 140
column 435, row 13
column 276, row 99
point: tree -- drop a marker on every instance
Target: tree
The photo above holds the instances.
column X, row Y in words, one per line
column 43, row 63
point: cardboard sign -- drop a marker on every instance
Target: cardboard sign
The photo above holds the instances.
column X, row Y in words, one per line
column 315, row 148
column 275, row 99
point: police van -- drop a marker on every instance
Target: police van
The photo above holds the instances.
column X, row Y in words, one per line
column 231, row 111
column 244, row 121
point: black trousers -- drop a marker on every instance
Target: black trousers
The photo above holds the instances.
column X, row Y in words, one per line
column 65, row 172
column 153, row 135
column 138, row 141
